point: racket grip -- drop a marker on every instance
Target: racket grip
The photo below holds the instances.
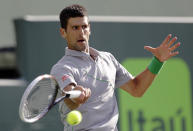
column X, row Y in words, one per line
column 74, row 93
column 69, row 94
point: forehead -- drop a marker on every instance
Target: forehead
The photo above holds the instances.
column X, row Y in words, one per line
column 78, row 21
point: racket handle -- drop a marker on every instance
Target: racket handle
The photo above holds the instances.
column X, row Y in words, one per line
column 73, row 93
column 69, row 94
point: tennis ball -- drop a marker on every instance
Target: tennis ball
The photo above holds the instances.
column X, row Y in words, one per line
column 74, row 117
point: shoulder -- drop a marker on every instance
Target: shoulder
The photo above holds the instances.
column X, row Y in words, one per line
column 109, row 58
column 65, row 63
column 104, row 53
column 107, row 55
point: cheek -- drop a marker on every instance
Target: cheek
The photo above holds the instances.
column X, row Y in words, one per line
column 71, row 37
column 88, row 34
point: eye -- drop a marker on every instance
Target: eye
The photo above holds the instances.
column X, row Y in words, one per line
column 84, row 26
column 75, row 27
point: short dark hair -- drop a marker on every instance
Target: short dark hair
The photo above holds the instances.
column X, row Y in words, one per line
column 71, row 12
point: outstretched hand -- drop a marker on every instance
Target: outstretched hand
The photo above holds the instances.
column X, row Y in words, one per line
column 165, row 50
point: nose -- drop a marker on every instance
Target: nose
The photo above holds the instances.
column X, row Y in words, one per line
column 81, row 31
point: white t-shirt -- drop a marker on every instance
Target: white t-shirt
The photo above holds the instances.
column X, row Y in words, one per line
column 102, row 75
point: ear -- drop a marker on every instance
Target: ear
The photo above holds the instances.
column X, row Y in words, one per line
column 63, row 32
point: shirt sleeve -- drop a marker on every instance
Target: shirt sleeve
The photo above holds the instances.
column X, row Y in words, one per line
column 122, row 75
column 63, row 75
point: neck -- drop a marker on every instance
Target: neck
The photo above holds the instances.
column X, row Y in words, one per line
column 87, row 51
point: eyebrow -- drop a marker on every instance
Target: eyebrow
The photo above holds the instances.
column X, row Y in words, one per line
column 79, row 25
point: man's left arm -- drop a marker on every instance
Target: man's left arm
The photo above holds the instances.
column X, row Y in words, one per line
column 139, row 84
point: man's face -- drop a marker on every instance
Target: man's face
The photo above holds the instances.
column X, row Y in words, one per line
column 77, row 33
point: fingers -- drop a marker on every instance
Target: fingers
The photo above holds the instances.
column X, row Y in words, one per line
column 149, row 48
column 172, row 41
column 80, row 99
column 167, row 39
column 174, row 53
column 85, row 94
column 175, row 46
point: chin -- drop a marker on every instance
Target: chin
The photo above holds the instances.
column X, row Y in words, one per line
column 83, row 47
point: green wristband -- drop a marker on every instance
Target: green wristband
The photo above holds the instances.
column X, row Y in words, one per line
column 155, row 66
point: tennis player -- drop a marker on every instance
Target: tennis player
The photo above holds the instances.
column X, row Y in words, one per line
column 92, row 71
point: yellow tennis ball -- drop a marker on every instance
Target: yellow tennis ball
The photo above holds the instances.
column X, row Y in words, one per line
column 74, row 117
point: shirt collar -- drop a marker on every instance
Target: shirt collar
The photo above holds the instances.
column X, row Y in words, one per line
column 92, row 52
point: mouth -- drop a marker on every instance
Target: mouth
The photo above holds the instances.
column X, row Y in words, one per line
column 81, row 40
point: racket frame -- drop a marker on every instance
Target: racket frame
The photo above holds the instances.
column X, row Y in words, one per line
column 26, row 94
column 54, row 101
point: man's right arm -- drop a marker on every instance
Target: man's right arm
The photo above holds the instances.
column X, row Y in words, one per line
column 75, row 103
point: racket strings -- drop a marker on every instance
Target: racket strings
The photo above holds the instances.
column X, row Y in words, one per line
column 40, row 98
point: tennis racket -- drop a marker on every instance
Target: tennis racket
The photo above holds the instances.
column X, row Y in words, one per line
column 40, row 96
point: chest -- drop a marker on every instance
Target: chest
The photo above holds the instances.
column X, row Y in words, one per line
column 97, row 75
